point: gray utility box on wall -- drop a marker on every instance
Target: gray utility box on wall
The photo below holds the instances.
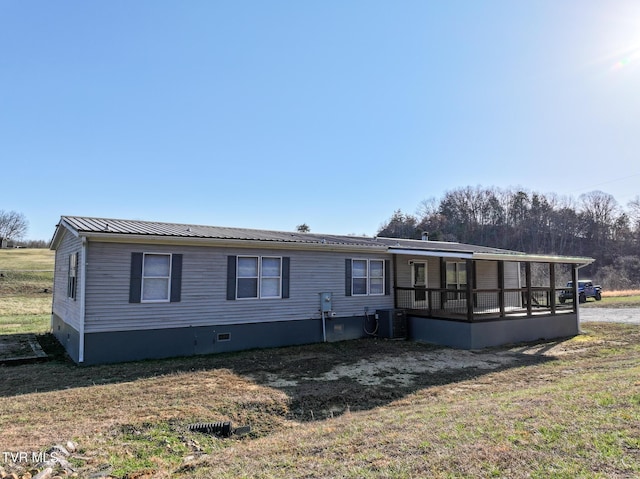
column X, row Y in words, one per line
column 392, row 323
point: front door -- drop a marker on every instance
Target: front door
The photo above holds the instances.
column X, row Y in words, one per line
column 419, row 280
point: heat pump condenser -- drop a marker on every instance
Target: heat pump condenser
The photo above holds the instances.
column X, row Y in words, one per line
column 392, row 323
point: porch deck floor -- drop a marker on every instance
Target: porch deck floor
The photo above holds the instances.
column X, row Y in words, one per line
column 485, row 314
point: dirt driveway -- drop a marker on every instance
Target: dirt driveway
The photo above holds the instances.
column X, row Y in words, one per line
column 610, row 315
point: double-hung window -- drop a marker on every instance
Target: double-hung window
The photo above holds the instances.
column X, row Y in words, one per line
column 156, row 277
column 457, row 278
column 72, row 278
column 259, row 277
column 367, row 277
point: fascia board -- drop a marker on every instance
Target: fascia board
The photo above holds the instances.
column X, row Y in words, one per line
column 438, row 254
column 57, row 235
column 533, row 258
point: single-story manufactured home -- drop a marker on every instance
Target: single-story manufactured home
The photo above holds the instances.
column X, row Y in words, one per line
column 128, row 290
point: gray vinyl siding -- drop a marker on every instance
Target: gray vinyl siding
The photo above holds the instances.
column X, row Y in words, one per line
column 404, row 270
column 512, row 274
column 64, row 307
column 433, row 273
column 204, row 289
column 486, row 278
column 511, row 281
column 487, row 274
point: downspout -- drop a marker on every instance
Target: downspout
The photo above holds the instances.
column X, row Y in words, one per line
column 82, row 285
column 53, row 291
column 395, row 281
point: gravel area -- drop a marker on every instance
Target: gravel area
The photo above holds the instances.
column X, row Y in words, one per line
column 611, row 315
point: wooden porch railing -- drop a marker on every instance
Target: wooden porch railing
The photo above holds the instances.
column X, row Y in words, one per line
column 485, row 303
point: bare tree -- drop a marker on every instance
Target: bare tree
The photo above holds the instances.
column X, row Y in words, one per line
column 518, row 219
column 599, row 212
column 13, row 225
column 634, row 211
column 428, row 207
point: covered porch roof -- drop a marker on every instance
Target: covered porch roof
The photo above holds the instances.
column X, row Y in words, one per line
column 445, row 249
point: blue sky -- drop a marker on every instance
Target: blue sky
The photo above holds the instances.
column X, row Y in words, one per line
column 268, row 114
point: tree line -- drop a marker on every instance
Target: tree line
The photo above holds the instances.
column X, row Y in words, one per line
column 592, row 225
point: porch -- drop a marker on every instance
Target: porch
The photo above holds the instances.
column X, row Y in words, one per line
column 483, row 290
column 485, row 302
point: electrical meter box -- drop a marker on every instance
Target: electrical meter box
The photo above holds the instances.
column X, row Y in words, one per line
column 326, row 302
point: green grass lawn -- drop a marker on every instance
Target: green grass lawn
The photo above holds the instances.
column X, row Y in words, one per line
column 562, row 409
column 631, row 301
column 26, row 283
column 26, row 259
column 25, row 323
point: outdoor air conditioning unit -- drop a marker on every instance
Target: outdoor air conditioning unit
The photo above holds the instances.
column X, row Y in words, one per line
column 392, row 323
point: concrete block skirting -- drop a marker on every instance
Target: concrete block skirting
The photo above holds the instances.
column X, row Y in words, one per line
column 120, row 346
column 464, row 335
column 68, row 336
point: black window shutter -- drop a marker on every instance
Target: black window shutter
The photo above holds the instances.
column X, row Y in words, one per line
column 285, row 276
column 135, row 281
column 176, row 278
column 231, row 277
column 387, row 277
column 347, row 277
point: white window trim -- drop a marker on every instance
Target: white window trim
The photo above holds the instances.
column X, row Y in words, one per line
column 168, row 278
column 259, row 277
column 368, row 277
column 413, row 272
column 381, row 293
column 72, row 279
column 457, row 263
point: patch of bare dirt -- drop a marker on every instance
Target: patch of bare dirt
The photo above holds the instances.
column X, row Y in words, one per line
column 323, row 382
column 401, row 370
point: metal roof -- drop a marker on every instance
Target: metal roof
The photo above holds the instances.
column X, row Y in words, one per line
column 444, row 246
column 113, row 227
column 123, row 230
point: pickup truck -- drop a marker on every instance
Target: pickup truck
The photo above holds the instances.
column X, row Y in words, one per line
column 586, row 289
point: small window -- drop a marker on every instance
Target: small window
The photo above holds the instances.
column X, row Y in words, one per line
column 259, row 277
column 156, row 277
column 72, row 279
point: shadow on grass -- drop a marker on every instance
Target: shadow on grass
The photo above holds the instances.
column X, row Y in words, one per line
column 320, row 380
